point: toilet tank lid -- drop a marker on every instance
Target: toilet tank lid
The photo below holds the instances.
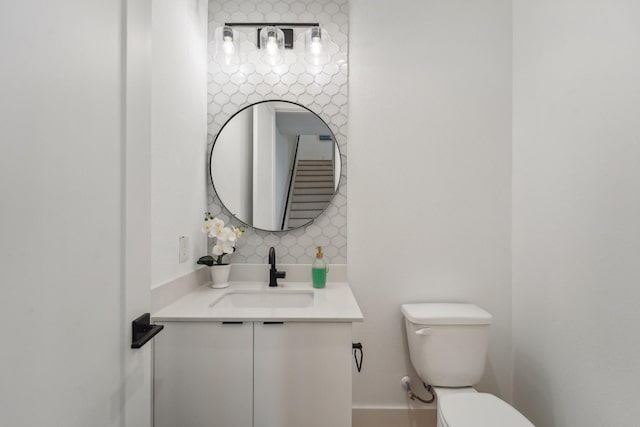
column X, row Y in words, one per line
column 446, row 314
column 479, row 410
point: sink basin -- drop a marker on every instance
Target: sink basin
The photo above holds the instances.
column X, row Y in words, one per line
column 269, row 298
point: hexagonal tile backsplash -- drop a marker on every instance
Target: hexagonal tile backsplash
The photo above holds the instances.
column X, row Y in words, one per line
column 321, row 88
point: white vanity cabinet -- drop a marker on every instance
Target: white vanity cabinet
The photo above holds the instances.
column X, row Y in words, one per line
column 302, row 374
column 203, row 375
column 252, row 356
column 254, row 374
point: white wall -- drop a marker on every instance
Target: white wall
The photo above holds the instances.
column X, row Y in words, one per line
column 264, row 160
column 576, row 212
column 232, row 165
column 429, row 176
column 312, row 148
column 179, row 134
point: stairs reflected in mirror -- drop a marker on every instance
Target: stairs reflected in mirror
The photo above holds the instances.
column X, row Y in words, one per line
column 313, row 188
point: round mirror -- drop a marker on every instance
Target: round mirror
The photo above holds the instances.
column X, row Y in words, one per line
column 275, row 165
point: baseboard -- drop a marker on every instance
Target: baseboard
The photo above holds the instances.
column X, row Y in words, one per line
column 393, row 417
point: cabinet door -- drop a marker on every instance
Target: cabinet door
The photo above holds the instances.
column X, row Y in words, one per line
column 302, row 375
column 203, row 375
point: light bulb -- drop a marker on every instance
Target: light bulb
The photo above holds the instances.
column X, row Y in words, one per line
column 316, row 45
column 315, row 55
column 272, row 45
column 227, row 46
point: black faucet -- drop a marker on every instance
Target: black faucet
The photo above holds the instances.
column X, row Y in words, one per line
column 274, row 274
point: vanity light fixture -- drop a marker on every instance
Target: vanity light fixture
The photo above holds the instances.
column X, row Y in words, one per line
column 271, row 39
column 274, row 37
column 226, row 46
column 315, row 52
column 315, row 40
column 271, row 43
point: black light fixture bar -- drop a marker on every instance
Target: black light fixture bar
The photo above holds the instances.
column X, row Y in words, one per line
column 272, row 24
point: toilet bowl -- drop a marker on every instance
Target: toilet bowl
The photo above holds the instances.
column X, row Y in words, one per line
column 448, row 345
column 478, row 410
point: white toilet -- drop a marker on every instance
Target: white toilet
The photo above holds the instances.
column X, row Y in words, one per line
column 448, row 347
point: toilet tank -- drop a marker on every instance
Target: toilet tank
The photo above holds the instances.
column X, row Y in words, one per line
column 447, row 342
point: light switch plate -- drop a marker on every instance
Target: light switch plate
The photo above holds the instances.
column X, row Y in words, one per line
column 183, row 252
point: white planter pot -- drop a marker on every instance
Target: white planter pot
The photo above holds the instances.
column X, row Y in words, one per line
column 220, row 275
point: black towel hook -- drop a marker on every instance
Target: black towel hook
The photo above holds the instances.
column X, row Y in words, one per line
column 357, row 347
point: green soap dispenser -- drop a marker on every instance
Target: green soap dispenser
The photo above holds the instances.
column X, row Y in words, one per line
column 319, row 271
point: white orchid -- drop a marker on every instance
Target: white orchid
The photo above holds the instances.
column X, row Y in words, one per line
column 218, row 225
column 222, row 248
column 227, row 234
column 211, row 225
column 207, row 226
column 226, row 239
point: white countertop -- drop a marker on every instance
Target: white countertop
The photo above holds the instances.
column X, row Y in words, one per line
column 334, row 303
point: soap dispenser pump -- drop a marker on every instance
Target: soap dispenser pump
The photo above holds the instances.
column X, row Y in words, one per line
column 319, row 270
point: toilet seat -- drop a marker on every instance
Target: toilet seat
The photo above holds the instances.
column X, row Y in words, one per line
column 478, row 410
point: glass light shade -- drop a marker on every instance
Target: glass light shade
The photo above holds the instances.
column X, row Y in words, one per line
column 271, row 40
column 315, row 49
column 314, row 43
column 226, row 46
column 227, row 40
column 272, row 45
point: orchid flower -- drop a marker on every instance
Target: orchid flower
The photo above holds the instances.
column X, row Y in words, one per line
column 226, row 239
